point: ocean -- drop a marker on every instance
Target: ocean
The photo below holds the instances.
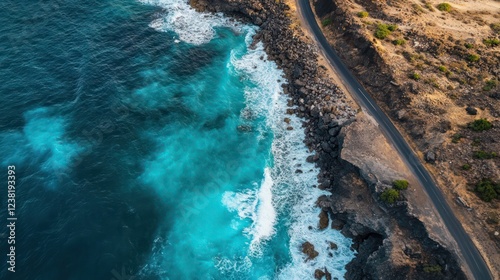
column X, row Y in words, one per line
column 149, row 142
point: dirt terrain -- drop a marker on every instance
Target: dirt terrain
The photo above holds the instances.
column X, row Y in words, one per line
column 434, row 72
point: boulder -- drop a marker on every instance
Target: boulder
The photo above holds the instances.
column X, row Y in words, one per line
column 471, row 110
column 328, row 275
column 334, row 131
column 430, row 156
column 308, row 249
column 402, row 115
column 318, row 274
column 323, row 220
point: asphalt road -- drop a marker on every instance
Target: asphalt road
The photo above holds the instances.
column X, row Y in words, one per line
column 471, row 255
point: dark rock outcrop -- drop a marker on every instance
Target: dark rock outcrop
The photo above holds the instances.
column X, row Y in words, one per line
column 308, row 249
column 318, row 274
column 323, row 220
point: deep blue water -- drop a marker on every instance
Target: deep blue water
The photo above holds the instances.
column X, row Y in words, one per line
column 149, row 141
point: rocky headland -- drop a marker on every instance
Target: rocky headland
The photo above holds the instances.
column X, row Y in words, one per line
column 391, row 242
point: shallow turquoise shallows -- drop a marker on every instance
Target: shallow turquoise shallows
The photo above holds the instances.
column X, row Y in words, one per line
column 149, row 142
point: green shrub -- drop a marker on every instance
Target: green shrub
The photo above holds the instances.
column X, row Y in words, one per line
column 480, row 125
column 432, row 268
column 469, row 45
column 490, row 84
column 456, row 138
column 443, row 69
column 413, row 57
column 466, row 166
column 415, row 76
column 484, row 155
column 491, row 42
column 392, row 27
column 326, row 22
column 444, row 7
column 487, row 190
column 400, row 185
column 363, row 14
column 382, row 31
column 389, row 196
column 495, row 27
column 399, row 42
column 473, row 57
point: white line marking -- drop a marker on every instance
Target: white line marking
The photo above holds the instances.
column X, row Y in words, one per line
column 420, row 171
column 366, row 98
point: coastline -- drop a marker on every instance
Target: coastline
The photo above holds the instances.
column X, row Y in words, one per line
column 376, row 230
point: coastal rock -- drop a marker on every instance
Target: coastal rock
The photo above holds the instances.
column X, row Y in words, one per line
column 323, row 202
column 334, row 131
column 310, row 159
column 323, row 220
column 318, row 274
column 308, row 249
column 328, row 275
column 337, row 224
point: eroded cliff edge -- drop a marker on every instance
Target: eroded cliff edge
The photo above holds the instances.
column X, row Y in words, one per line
column 391, row 243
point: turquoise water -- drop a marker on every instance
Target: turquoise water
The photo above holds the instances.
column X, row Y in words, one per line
column 149, row 142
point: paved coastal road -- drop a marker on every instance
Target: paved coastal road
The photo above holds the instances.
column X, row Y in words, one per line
column 470, row 253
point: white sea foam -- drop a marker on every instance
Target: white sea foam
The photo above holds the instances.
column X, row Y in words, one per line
column 243, row 203
column 256, row 206
column 230, row 265
column 266, row 215
column 290, row 190
column 282, row 192
column 191, row 26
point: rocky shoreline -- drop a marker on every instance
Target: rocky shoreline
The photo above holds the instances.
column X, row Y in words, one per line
column 391, row 243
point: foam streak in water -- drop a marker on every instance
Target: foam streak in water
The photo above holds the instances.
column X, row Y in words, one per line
column 258, row 207
column 266, row 214
column 191, row 27
column 292, row 190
